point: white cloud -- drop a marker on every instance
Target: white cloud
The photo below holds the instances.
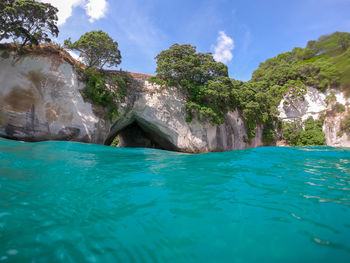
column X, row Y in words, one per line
column 65, row 8
column 95, row 9
column 223, row 48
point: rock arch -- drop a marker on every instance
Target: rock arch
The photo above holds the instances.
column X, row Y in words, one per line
column 135, row 131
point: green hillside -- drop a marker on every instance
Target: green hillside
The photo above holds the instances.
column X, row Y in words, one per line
column 322, row 64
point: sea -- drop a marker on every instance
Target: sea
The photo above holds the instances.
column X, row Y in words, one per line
column 74, row 202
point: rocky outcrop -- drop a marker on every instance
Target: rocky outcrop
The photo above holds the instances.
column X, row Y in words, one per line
column 160, row 112
column 40, row 99
column 314, row 104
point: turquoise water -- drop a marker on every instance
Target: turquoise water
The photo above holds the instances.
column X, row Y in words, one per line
column 71, row 202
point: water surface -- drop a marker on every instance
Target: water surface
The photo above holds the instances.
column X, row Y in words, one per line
column 71, row 202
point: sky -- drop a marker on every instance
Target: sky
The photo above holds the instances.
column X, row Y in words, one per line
column 239, row 33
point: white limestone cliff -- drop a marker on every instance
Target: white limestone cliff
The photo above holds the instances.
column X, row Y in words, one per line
column 40, row 99
column 313, row 104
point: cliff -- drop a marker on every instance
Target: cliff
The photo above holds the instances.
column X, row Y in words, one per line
column 40, row 99
column 317, row 104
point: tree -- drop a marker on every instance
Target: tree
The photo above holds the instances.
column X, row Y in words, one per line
column 97, row 49
column 182, row 63
column 30, row 21
column 204, row 80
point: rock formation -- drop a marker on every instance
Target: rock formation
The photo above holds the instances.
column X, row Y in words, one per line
column 313, row 104
column 40, row 99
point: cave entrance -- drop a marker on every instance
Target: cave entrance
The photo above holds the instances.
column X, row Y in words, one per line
column 138, row 135
column 133, row 136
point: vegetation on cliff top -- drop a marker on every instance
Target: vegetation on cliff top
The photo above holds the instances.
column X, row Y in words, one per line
column 204, row 81
column 32, row 22
column 27, row 21
column 97, row 49
column 210, row 93
column 322, row 64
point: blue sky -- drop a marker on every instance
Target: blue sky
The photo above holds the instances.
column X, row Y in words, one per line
column 242, row 33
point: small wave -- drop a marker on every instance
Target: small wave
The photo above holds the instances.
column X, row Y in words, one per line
column 78, row 203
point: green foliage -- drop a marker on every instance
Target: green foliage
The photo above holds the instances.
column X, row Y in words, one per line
column 322, row 64
column 122, row 81
column 338, row 108
column 308, row 133
column 181, row 63
column 333, row 44
column 288, row 72
column 115, row 142
column 158, row 81
column 269, row 133
column 27, row 20
column 291, row 132
column 345, row 124
column 322, row 116
column 205, row 81
column 317, row 65
column 258, row 103
column 331, row 98
column 97, row 49
column 312, row 133
column 106, row 89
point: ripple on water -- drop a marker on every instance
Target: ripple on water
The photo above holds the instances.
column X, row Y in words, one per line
column 71, row 202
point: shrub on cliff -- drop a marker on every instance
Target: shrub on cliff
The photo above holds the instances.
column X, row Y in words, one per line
column 27, row 21
column 308, row 133
column 258, row 104
column 322, row 64
column 204, row 80
column 106, row 90
column 97, row 49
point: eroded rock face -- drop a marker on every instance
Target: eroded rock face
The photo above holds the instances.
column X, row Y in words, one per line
column 161, row 113
column 313, row 104
column 40, row 100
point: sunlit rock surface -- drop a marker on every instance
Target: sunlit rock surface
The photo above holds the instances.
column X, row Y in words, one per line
column 313, row 104
column 40, row 99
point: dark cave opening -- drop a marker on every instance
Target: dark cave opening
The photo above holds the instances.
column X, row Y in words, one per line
column 136, row 135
